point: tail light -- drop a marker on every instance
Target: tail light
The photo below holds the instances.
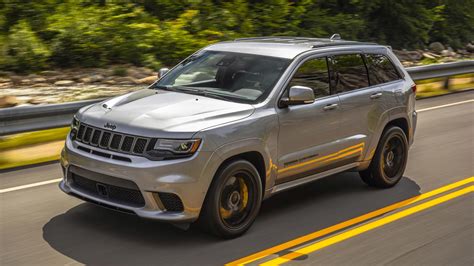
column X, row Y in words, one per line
column 413, row 88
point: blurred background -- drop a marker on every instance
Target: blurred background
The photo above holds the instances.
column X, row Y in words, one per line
column 54, row 51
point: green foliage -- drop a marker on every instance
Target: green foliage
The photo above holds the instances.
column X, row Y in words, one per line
column 22, row 47
column 66, row 33
column 454, row 23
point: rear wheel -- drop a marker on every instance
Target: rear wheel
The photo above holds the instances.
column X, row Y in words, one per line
column 233, row 200
column 389, row 161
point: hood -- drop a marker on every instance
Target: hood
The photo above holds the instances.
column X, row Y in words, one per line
column 157, row 113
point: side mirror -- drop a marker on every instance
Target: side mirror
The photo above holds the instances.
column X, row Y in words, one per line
column 298, row 95
column 163, row 72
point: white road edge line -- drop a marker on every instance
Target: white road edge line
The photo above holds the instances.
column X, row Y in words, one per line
column 444, row 105
column 59, row 179
column 30, row 185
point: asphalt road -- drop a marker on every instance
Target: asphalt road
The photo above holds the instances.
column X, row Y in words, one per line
column 42, row 226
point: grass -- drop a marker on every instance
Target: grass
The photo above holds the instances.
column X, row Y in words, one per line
column 31, row 138
column 32, row 147
column 45, row 145
column 435, row 87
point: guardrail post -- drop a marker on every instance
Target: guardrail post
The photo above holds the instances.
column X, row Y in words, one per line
column 446, row 83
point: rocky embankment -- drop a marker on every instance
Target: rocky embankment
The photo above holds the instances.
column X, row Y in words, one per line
column 56, row 86
column 437, row 53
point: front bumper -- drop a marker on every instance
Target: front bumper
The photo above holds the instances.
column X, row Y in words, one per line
column 187, row 178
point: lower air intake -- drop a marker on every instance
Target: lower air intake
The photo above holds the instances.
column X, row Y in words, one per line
column 171, row 202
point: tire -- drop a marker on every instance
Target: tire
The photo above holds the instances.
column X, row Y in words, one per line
column 232, row 201
column 390, row 159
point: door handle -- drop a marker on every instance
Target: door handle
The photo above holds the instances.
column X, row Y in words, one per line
column 376, row 95
column 330, row 107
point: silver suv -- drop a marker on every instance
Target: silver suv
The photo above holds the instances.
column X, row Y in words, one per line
column 239, row 121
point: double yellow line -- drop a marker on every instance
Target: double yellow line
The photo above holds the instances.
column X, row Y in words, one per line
column 294, row 253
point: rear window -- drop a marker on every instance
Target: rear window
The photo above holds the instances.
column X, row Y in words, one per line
column 348, row 72
column 381, row 69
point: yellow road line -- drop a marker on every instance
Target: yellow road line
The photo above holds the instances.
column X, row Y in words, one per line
column 345, row 224
column 367, row 227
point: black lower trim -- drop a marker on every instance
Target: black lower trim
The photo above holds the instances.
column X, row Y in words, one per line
column 113, row 189
column 104, row 205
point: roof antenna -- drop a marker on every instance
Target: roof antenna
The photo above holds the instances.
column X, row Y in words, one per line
column 335, row 37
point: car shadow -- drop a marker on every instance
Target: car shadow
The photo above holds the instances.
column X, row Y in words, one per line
column 97, row 236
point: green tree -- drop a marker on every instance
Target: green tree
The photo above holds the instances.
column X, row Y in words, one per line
column 455, row 22
column 23, row 50
column 399, row 23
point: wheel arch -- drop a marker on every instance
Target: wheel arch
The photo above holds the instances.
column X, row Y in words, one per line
column 399, row 121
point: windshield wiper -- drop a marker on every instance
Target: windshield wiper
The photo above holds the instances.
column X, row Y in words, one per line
column 164, row 87
column 201, row 92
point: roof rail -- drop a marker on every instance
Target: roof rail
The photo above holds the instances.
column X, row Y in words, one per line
column 335, row 36
column 278, row 37
column 326, row 44
column 335, row 40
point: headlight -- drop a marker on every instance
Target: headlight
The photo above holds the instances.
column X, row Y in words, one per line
column 74, row 127
column 75, row 123
column 174, row 148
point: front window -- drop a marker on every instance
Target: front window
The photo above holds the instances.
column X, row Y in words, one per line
column 225, row 75
column 313, row 74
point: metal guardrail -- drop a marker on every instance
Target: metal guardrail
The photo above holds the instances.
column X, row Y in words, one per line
column 30, row 118
column 441, row 70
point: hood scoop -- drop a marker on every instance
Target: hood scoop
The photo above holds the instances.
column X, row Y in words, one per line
column 127, row 98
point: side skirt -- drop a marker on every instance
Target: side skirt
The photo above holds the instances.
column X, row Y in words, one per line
column 311, row 178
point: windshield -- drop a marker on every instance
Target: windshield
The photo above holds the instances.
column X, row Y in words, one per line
column 225, row 75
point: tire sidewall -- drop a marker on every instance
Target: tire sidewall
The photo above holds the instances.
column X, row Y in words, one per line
column 212, row 202
column 390, row 133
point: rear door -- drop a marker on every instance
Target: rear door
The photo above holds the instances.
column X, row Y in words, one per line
column 309, row 133
column 361, row 103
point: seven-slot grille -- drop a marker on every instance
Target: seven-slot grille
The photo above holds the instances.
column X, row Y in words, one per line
column 113, row 141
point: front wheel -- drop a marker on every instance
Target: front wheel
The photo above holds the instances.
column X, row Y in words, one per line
column 390, row 159
column 233, row 200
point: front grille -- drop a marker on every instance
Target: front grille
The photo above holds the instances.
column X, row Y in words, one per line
column 127, row 144
column 87, row 135
column 171, row 202
column 95, row 137
column 101, row 189
column 104, row 141
column 140, row 145
column 114, row 141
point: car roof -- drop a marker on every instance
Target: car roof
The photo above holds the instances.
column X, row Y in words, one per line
column 281, row 46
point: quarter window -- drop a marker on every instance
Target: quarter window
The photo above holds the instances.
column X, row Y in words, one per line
column 381, row 69
column 314, row 74
column 348, row 72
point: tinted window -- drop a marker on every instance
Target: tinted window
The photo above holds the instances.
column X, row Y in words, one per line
column 314, row 74
column 381, row 70
column 348, row 73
